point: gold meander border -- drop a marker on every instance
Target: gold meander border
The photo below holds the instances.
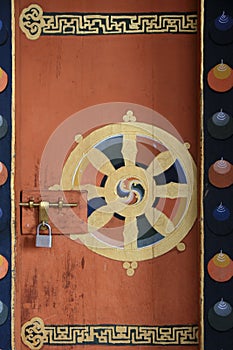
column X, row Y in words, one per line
column 35, row 334
column 34, row 23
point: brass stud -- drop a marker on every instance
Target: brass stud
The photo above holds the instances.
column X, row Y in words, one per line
column 181, row 247
column 130, row 267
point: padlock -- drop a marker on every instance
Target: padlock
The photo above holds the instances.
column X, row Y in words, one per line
column 44, row 241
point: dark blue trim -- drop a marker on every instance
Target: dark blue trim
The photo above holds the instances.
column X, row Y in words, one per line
column 218, row 235
column 5, row 157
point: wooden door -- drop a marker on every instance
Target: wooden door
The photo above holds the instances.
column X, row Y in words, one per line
column 106, row 117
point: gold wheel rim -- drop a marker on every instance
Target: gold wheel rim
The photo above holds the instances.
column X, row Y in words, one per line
column 86, row 153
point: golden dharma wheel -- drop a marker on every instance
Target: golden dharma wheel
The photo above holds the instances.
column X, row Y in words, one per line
column 141, row 185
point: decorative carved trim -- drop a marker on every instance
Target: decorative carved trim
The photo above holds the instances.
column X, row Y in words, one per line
column 35, row 334
column 31, row 21
column 34, row 22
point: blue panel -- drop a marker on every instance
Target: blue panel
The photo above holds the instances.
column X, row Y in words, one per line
column 218, row 143
column 5, row 157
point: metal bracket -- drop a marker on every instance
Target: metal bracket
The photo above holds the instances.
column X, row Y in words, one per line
column 43, row 213
column 44, row 207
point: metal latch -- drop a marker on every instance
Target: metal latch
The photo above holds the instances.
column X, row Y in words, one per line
column 65, row 211
column 44, row 206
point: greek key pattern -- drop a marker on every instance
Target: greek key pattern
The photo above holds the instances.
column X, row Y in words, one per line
column 34, row 23
column 35, row 334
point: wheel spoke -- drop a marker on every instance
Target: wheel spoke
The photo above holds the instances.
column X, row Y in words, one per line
column 129, row 149
column 130, row 233
column 100, row 161
column 103, row 215
column 159, row 221
column 172, row 190
column 113, row 207
column 161, row 163
column 98, row 219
